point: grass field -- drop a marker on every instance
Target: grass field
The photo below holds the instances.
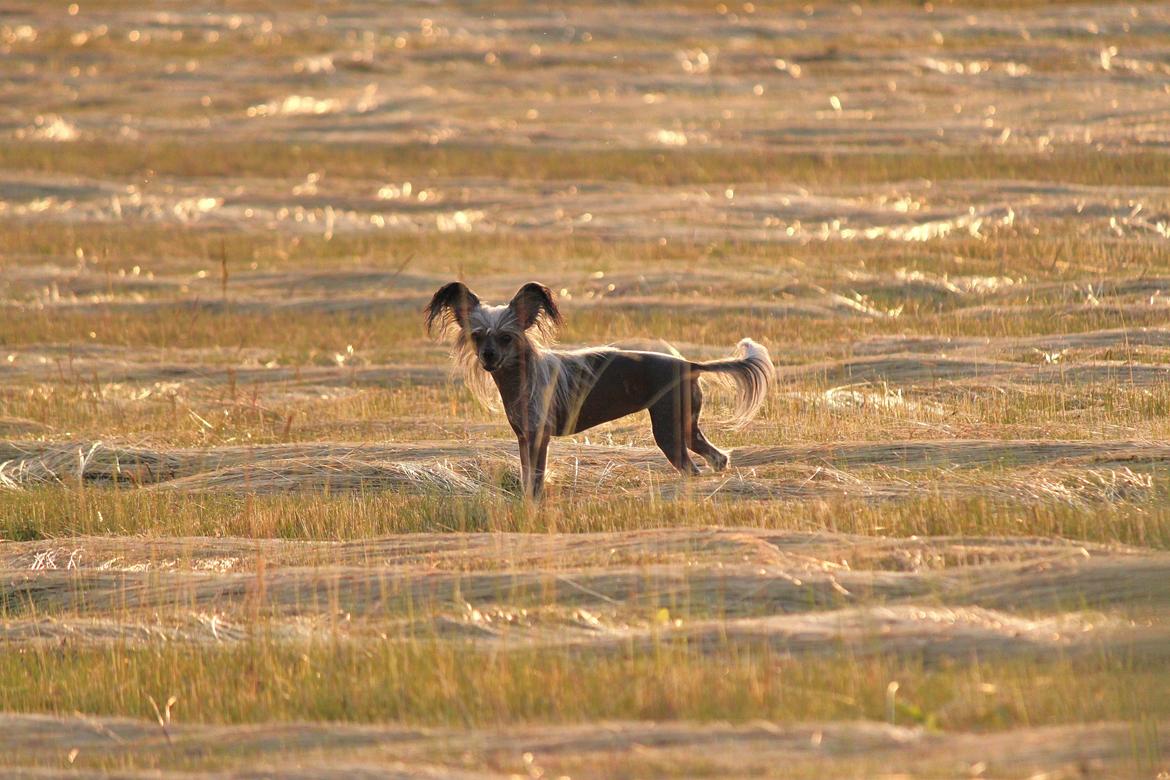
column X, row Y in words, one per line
column 250, row 525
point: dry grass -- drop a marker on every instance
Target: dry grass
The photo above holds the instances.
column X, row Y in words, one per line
column 248, row 524
column 1013, row 510
column 639, row 166
column 629, row 748
column 439, row 683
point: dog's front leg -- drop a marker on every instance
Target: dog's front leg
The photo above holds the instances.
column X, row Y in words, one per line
column 533, row 455
column 539, row 457
column 525, row 462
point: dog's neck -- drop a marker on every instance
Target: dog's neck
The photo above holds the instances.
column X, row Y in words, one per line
column 516, row 385
column 512, row 381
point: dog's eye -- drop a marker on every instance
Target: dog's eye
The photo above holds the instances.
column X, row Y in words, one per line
column 505, row 338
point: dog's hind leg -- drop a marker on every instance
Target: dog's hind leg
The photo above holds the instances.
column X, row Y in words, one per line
column 716, row 458
column 670, row 420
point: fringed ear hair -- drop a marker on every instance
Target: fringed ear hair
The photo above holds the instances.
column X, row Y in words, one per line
column 534, row 305
column 450, row 308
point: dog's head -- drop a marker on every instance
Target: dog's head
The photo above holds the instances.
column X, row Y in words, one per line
column 497, row 336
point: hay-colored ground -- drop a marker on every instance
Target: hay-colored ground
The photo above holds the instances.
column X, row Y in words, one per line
column 249, row 526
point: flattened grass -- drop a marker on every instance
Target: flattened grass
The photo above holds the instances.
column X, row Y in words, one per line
column 428, row 681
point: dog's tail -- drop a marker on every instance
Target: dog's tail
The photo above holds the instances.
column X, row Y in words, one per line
column 752, row 372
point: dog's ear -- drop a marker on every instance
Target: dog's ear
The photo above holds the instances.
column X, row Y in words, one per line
column 533, row 303
column 450, row 307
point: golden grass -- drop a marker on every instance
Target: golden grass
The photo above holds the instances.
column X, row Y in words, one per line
column 234, row 472
column 50, row 512
column 441, row 683
column 640, row 166
column 315, row 333
column 635, row 749
column 1060, row 251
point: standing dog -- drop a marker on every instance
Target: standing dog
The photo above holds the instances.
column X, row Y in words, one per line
column 548, row 392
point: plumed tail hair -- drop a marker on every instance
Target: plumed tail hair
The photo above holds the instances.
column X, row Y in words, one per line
column 752, row 373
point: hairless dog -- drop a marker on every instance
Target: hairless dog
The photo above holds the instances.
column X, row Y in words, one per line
column 548, row 392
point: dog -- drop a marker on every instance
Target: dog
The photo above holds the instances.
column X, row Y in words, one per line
column 548, row 392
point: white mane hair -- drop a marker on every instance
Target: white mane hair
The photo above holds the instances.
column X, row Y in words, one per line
column 556, row 374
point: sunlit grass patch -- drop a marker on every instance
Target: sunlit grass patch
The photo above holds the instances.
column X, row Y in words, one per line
column 1057, row 250
column 238, row 484
column 312, row 332
column 432, row 683
column 48, row 512
column 641, row 166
